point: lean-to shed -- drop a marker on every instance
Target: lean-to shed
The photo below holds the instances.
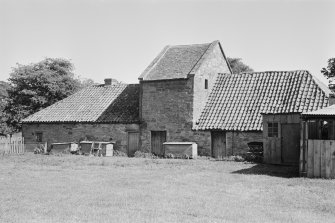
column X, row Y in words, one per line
column 317, row 156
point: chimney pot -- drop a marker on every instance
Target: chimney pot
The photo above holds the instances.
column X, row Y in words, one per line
column 108, row 81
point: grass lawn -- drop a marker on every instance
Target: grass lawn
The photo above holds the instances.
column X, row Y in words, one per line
column 39, row 188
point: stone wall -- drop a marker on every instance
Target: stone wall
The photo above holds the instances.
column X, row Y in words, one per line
column 167, row 106
column 174, row 105
column 237, row 142
column 77, row 132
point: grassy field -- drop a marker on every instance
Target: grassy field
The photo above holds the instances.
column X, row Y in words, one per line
column 39, row 188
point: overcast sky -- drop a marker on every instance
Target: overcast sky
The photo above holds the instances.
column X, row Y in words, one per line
column 119, row 38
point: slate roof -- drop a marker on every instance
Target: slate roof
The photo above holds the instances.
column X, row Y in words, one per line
column 327, row 111
column 178, row 61
column 237, row 100
column 116, row 103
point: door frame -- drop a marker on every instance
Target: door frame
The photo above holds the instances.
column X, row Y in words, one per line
column 282, row 142
column 151, row 140
column 128, row 151
column 224, row 152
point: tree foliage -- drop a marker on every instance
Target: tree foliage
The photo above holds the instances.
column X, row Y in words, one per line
column 4, row 86
column 36, row 86
column 86, row 82
column 330, row 70
column 238, row 66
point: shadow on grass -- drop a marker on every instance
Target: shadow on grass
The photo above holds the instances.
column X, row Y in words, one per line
column 271, row 170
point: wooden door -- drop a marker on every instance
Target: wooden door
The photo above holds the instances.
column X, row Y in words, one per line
column 157, row 140
column 290, row 146
column 218, row 139
column 133, row 142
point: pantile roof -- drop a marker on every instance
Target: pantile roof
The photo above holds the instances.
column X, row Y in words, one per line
column 237, row 101
column 116, row 103
column 177, row 62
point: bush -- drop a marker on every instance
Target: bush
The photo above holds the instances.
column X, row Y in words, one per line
column 119, row 153
column 172, row 156
column 254, row 158
column 39, row 149
column 139, row 154
column 169, row 156
column 236, row 158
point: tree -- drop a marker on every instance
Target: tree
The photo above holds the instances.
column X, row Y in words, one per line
column 36, row 86
column 86, row 82
column 238, row 66
column 329, row 72
column 4, row 129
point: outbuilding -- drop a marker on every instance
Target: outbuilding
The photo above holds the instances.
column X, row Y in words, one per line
column 317, row 158
column 107, row 112
column 282, row 125
column 233, row 112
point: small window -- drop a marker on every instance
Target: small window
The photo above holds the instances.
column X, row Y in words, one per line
column 206, row 84
column 39, row 137
column 272, row 129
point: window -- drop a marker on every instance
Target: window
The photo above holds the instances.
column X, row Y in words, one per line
column 39, row 136
column 272, row 129
column 206, row 84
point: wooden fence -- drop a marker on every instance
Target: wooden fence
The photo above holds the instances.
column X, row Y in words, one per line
column 12, row 145
column 320, row 157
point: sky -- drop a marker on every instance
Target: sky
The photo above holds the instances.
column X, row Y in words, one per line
column 119, row 38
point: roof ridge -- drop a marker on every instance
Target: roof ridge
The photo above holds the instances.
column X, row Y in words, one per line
column 269, row 71
column 154, row 62
column 193, row 44
column 204, row 56
column 200, row 57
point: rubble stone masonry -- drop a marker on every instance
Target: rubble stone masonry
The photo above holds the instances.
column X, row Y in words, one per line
column 237, row 142
column 76, row 132
column 167, row 106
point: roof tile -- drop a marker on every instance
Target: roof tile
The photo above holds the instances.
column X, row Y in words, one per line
column 117, row 103
column 237, row 100
column 176, row 62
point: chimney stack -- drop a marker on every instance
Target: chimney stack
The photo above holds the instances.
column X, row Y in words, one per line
column 108, row 81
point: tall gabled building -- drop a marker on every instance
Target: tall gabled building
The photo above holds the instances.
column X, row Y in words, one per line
column 173, row 91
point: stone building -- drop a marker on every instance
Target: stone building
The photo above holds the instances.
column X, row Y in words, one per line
column 233, row 112
column 103, row 113
column 173, row 91
column 187, row 93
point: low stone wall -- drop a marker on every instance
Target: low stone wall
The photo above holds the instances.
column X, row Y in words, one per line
column 76, row 132
column 237, row 142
